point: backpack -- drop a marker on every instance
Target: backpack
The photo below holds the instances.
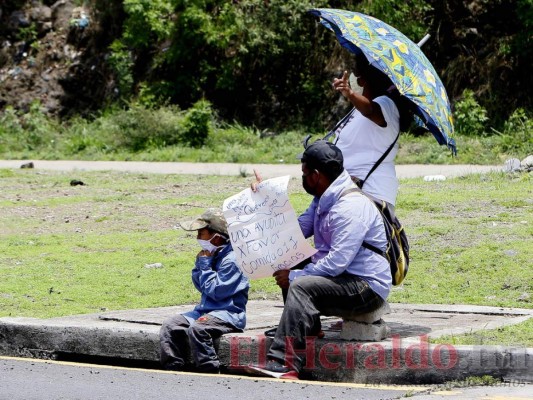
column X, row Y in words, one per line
column 397, row 253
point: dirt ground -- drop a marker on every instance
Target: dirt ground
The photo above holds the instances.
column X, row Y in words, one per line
column 51, row 54
column 42, row 200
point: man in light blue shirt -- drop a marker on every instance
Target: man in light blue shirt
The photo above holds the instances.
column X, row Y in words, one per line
column 343, row 278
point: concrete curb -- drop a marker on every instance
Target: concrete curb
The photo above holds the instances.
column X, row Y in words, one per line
column 397, row 360
column 32, row 338
column 333, row 361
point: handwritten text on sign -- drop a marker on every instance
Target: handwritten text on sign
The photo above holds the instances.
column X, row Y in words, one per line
column 264, row 229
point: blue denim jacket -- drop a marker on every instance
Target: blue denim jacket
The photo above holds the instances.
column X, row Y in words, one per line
column 223, row 287
column 339, row 225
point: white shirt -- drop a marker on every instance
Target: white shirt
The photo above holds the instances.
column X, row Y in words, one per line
column 363, row 142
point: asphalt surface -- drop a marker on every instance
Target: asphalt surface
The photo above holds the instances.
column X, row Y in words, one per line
column 51, row 380
column 59, row 380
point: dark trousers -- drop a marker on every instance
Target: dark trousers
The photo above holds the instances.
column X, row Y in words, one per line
column 308, row 298
column 179, row 339
column 300, row 265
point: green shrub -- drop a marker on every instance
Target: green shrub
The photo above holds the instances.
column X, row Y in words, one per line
column 519, row 123
column 469, row 116
column 121, row 62
column 83, row 136
column 27, row 131
column 27, row 34
column 197, row 124
column 9, row 122
column 147, row 20
column 516, row 137
column 139, row 128
column 406, row 16
column 10, row 130
column 233, row 134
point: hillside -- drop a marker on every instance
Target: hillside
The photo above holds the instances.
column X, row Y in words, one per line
column 257, row 62
column 54, row 54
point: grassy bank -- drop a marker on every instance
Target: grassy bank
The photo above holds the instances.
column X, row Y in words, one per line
column 169, row 134
column 81, row 249
column 517, row 335
column 249, row 147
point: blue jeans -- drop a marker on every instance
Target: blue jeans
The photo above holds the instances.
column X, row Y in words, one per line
column 179, row 339
column 311, row 296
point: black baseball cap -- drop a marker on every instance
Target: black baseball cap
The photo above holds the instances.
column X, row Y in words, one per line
column 323, row 156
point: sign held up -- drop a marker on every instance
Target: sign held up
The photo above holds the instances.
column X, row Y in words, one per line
column 264, row 229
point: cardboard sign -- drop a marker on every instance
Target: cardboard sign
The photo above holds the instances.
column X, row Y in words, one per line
column 264, row 229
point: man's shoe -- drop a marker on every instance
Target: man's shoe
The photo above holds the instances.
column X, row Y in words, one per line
column 271, row 332
column 273, row 369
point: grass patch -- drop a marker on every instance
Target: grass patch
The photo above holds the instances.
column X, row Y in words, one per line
column 519, row 335
column 471, row 240
column 485, row 380
column 70, row 250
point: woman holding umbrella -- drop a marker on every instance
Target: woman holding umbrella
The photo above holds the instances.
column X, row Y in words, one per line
column 368, row 135
column 383, row 52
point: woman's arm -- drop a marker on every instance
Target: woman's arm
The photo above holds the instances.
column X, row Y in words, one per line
column 368, row 108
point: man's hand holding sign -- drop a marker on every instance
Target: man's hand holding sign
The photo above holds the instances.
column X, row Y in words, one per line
column 264, row 229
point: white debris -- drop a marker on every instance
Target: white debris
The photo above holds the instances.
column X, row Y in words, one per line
column 430, row 178
column 511, row 165
column 154, row 265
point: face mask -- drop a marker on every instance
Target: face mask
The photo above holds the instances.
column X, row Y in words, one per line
column 307, row 187
column 354, row 85
column 207, row 245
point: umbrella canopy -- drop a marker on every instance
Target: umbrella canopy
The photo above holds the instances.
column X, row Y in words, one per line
column 390, row 51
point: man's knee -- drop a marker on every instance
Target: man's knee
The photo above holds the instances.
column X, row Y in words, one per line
column 164, row 331
column 172, row 325
column 196, row 329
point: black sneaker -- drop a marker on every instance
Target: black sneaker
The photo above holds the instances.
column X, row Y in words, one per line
column 271, row 332
column 273, row 369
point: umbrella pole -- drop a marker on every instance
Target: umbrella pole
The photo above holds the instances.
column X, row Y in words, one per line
column 424, row 40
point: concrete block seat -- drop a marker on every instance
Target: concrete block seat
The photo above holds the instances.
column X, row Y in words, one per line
column 366, row 327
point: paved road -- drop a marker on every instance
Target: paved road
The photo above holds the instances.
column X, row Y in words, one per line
column 267, row 170
column 30, row 379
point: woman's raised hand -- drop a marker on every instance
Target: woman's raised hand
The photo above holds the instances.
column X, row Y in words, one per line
column 258, row 179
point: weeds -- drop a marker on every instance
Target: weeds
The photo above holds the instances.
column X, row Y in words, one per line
column 167, row 133
column 516, row 335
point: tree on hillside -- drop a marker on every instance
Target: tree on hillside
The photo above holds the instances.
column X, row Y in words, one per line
column 486, row 46
column 263, row 63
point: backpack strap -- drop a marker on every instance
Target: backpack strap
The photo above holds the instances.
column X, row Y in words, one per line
column 365, row 244
column 378, row 162
column 341, row 124
column 374, row 249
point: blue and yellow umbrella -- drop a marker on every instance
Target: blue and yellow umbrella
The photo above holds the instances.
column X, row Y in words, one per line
column 390, row 51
